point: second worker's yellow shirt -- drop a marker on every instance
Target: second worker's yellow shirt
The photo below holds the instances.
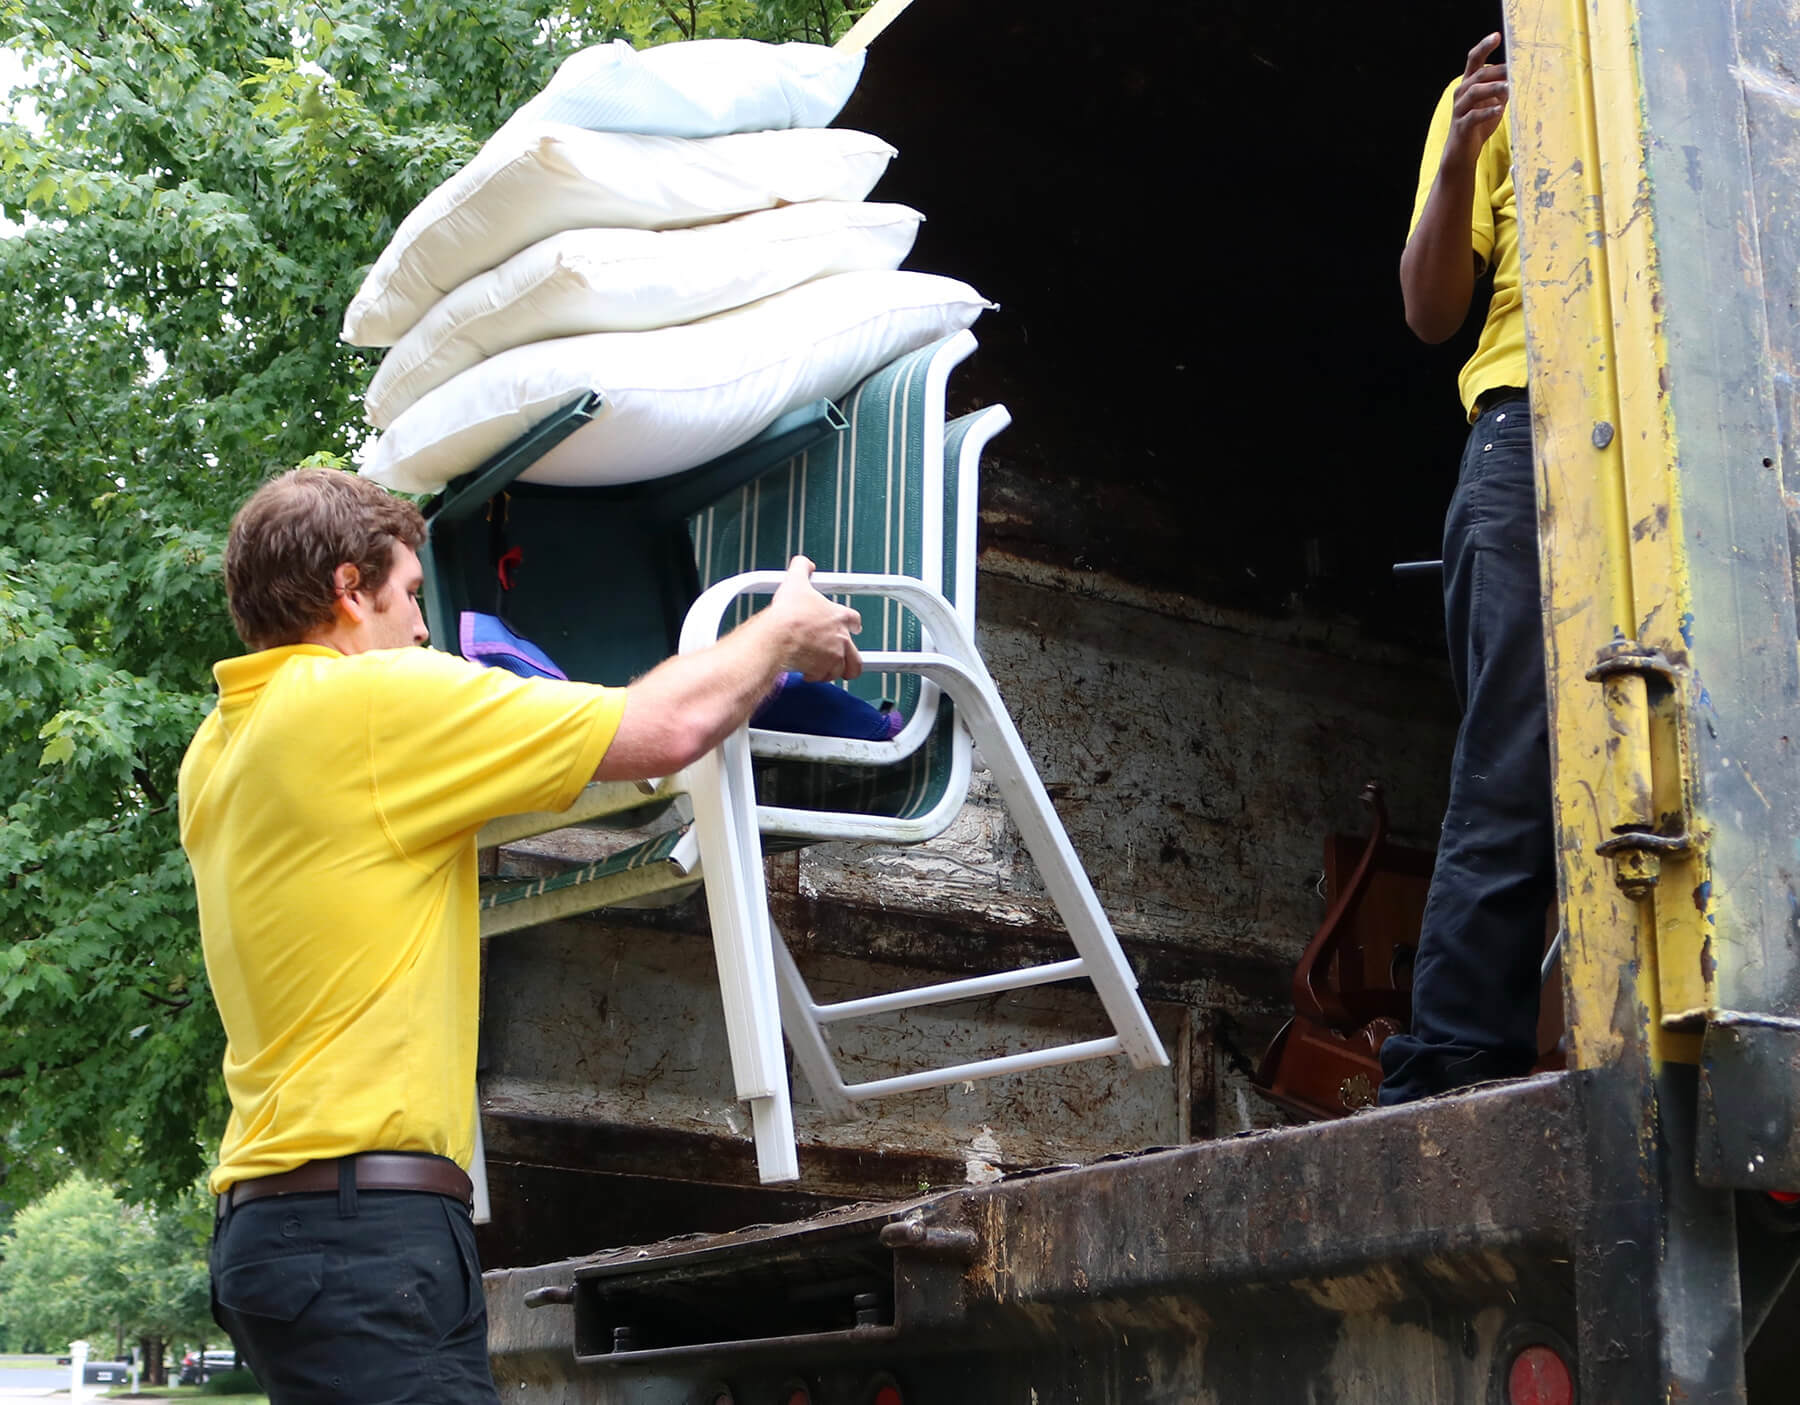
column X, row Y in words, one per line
column 329, row 805
column 1499, row 358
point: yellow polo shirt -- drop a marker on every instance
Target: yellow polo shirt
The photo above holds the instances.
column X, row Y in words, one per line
column 328, row 809
column 1499, row 358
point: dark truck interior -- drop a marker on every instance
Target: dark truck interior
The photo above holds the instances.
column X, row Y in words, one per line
column 1192, row 219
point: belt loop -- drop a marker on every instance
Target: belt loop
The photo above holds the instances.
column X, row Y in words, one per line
column 347, row 1188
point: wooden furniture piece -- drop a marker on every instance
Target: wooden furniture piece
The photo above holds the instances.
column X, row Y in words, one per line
column 1352, row 986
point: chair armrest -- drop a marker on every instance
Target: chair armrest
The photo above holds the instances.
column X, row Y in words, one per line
column 935, row 613
column 705, row 619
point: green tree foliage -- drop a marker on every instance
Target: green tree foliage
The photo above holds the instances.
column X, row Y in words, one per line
column 79, row 1263
column 196, row 189
column 170, row 1283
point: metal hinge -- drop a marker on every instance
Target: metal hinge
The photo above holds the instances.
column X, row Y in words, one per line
column 1648, row 773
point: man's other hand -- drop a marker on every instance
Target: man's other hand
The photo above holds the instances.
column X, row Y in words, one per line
column 816, row 632
column 1479, row 105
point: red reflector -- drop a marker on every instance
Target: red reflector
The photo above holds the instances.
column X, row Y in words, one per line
column 1539, row 1377
column 888, row 1395
column 798, row 1396
column 1784, row 1197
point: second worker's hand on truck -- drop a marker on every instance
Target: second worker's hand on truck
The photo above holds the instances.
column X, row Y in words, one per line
column 1437, row 272
column 1480, row 103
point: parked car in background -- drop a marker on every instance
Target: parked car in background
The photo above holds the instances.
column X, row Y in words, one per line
column 196, row 1368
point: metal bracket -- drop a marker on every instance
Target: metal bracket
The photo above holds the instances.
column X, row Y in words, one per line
column 1629, row 656
column 932, row 1241
column 1638, row 680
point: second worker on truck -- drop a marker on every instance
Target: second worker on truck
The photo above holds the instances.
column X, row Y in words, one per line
column 1475, row 980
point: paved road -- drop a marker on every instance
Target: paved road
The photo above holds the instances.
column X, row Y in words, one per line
column 31, row 1378
column 34, row 1377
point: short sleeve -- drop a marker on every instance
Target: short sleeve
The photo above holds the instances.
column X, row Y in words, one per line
column 1481, row 213
column 453, row 744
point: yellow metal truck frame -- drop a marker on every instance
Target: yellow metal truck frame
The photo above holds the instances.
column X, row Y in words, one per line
column 1649, row 160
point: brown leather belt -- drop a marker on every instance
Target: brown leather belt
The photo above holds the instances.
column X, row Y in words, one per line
column 375, row 1170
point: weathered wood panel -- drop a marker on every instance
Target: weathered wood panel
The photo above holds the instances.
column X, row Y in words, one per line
column 1197, row 758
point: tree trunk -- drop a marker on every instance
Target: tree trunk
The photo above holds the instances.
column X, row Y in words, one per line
column 150, row 1359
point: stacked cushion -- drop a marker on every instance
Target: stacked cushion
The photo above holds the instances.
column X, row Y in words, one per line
column 705, row 260
column 535, row 180
column 633, row 280
column 678, row 397
column 705, row 88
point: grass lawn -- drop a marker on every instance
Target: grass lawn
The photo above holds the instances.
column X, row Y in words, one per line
column 184, row 1392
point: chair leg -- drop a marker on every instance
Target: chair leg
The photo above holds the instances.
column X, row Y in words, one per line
column 801, row 1026
column 737, row 903
column 481, row 1211
column 1010, row 767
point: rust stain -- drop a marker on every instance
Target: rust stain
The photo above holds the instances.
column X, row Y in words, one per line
column 1652, row 524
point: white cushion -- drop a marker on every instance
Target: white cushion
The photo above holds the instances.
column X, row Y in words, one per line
column 631, row 280
column 702, row 88
column 677, row 397
column 533, row 180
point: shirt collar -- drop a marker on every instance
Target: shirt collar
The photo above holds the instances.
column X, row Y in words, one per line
column 242, row 678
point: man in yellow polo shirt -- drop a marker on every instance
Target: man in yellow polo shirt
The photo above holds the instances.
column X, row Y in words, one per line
column 329, row 806
column 1475, row 980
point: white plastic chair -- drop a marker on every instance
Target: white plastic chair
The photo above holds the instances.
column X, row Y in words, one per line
column 951, row 699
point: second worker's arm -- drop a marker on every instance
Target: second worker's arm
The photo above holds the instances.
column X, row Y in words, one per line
column 1437, row 268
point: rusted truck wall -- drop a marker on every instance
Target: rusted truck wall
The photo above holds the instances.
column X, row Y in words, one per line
column 1368, row 1261
column 1197, row 757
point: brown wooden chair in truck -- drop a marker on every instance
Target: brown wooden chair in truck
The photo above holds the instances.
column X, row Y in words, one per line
column 1352, row 986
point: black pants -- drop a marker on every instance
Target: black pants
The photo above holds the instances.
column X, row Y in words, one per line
column 357, row 1298
column 1475, row 982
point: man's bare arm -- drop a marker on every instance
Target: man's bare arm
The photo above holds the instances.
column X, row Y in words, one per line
column 1437, row 268
column 687, row 705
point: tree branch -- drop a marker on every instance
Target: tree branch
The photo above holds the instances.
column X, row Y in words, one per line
column 17, row 1071
column 141, row 775
column 150, row 34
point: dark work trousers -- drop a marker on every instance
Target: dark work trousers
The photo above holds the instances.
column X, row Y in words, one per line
column 1475, row 979
column 356, row 1298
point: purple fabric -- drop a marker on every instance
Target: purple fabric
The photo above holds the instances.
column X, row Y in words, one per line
column 485, row 639
column 824, row 710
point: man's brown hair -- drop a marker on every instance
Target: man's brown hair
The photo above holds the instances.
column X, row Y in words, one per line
column 292, row 535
